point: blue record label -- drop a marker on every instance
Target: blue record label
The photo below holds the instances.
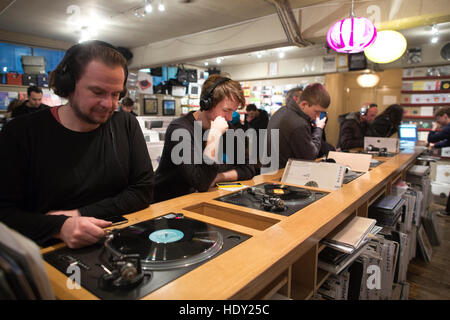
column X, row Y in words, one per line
column 166, row 235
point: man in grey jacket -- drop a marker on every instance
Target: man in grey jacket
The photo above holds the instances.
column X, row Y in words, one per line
column 297, row 138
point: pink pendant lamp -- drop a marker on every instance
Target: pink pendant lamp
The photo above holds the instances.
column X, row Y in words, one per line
column 351, row 35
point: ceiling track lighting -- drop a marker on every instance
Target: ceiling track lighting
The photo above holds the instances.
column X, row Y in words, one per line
column 148, row 6
column 435, row 32
column 161, row 6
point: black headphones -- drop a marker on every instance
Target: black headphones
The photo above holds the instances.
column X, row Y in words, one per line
column 206, row 101
column 64, row 80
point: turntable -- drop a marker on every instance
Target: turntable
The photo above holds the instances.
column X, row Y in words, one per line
column 350, row 175
column 375, row 163
column 274, row 197
column 134, row 261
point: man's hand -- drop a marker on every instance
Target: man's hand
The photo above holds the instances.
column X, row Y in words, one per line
column 230, row 175
column 79, row 232
column 320, row 123
column 219, row 125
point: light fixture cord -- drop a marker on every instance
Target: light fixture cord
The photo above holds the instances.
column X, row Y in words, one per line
column 352, row 12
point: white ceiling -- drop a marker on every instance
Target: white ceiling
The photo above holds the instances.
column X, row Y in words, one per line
column 115, row 21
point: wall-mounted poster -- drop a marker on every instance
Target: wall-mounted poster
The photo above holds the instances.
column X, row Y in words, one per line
column 150, row 106
column 169, row 107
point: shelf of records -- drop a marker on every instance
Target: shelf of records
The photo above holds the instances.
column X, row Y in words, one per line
column 367, row 258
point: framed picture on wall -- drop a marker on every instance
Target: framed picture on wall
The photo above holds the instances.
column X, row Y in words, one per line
column 150, row 106
column 169, row 107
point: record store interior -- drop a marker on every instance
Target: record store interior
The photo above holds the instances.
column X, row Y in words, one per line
column 225, row 150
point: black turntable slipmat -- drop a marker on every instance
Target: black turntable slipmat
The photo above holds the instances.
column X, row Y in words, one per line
column 295, row 198
column 169, row 246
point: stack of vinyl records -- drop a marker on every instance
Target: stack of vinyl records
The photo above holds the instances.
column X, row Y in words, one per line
column 335, row 261
column 346, row 243
column 387, row 210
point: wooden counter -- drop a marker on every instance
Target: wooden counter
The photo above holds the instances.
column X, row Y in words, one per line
column 281, row 255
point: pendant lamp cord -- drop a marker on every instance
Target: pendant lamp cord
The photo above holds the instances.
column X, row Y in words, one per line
column 352, row 13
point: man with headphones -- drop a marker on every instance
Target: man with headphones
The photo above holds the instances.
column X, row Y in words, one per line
column 69, row 168
column 353, row 127
column 191, row 160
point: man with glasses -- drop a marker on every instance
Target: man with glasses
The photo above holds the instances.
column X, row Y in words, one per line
column 297, row 138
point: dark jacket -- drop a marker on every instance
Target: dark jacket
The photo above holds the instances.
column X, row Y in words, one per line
column 440, row 138
column 173, row 180
column 352, row 131
column 259, row 122
column 23, row 109
column 297, row 139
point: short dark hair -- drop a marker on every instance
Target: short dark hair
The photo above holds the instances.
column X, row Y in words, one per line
column 316, row 94
column 372, row 105
column 33, row 89
column 251, row 107
column 128, row 102
column 441, row 111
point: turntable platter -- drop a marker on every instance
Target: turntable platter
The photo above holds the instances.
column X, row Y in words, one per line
column 288, row 192
column 168, row 243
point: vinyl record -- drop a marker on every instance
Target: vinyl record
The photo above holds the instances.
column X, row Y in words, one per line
column 287, row 192
column 167, row 243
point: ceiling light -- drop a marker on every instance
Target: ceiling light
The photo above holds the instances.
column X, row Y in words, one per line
column 219, row 60
column 259, row 55
column 161, row 6
column 206, row 63
column 368, row 80
column 281, row 54
column 388, row 47
column 351, row 35
column 435, row 39
column 148, row 7
column 434, row 29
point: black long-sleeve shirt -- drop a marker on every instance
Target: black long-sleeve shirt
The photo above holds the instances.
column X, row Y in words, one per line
column 177, row 179
column 47, row 167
